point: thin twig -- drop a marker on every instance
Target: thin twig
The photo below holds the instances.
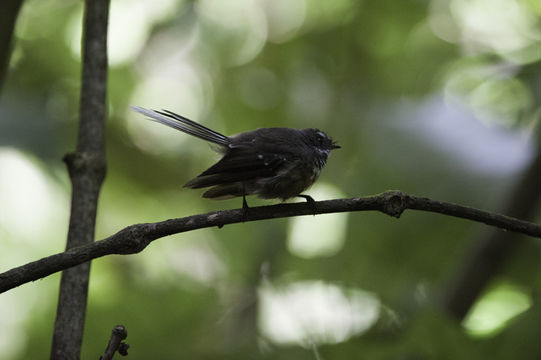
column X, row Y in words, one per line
column 135, row 238
column 115, row 344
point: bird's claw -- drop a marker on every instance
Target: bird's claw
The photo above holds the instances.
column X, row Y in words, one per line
column 310, row 200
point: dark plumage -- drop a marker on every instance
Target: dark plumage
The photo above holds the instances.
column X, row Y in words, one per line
column 267, row 162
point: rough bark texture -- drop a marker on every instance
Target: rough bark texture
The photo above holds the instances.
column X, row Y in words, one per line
column 87, row 170
column 135, row 238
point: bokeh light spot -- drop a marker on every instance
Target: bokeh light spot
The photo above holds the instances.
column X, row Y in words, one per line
column 321, row 235
column 496, row 308
column 314, row 312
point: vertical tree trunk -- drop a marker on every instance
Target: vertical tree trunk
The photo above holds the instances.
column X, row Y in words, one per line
column 87, row 168
column 8, row 17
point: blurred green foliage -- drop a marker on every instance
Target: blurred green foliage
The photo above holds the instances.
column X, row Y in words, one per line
column 420, row 99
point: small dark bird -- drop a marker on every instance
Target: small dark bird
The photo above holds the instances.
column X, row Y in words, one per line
column 268, row 162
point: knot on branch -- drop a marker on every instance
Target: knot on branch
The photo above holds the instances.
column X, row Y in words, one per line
column 86, row 163
column 132, row 240
column 120, row 331
column 394, row 203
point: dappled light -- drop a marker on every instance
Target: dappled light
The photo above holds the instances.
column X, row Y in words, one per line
column 436, row 99
column 240, row 25
column 496, row 309
column 309, row 236
column 33, row 204
column 138, row 16
column 314, row 313
column 33, row 219
column 506, row 28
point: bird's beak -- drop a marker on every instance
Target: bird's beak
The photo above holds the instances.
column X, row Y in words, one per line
column 334, row 146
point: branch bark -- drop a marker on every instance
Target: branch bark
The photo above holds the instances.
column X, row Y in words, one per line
column 135, row 238
column 87, row 171
column 118, row 334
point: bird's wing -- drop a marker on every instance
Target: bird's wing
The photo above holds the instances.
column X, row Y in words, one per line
column 239, row 165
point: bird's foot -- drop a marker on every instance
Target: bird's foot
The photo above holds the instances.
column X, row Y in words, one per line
column 245, row 208
column 310, row 200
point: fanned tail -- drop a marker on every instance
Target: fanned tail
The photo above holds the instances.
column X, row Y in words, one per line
column 183, row 124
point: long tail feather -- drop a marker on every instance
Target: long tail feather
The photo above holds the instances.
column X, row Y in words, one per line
column 183, row 124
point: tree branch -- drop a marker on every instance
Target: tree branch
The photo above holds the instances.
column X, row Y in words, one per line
column 135, row 238
column 115, row 344
column 86, row 168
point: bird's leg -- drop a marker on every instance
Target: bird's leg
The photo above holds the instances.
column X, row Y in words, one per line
column 244, row 203
column 245, row 206
column 308, row 198
column 311, row 202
